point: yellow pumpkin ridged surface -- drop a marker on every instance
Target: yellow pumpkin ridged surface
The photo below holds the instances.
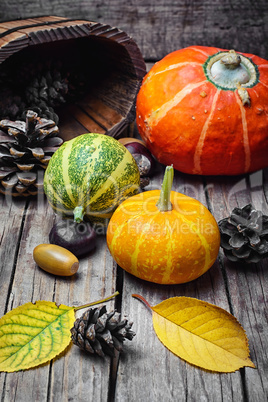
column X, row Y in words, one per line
column 165, row 247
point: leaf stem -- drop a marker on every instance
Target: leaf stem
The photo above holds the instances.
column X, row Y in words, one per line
column 164, row 203
column 143, row 300
column 97, row 302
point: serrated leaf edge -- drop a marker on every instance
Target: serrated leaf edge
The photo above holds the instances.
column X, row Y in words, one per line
column 21, row 308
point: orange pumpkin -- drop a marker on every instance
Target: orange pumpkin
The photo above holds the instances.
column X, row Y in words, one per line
column 163, row 236
column 205, row 110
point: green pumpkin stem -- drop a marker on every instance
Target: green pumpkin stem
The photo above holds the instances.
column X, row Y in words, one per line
column 164, row 203
column 78, row 214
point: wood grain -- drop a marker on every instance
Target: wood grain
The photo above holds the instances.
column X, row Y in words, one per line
column 145, row 370
column 170, row 378
column 95, row 279
column 161, row 27
column 247, row 284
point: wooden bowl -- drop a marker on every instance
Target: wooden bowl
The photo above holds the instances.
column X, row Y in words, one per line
column 109, row 59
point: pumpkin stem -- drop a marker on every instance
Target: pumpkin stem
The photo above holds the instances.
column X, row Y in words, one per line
column 231, row 60
column 164, row 203
column 227, row 70
column 78, row 214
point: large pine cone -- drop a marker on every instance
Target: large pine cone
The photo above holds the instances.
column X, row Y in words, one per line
column 97, row 331
column 25, row 150
column 40, row 84
column 244, row 235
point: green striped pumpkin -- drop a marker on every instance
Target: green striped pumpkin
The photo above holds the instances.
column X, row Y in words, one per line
column 89, row 176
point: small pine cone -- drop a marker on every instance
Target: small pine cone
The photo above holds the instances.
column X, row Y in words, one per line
column 25, row 150
column 244, row 235
column 97, row 331
column 49, row 88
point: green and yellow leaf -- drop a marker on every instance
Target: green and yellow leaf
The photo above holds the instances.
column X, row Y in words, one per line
column 201, row 333
column 33, row 334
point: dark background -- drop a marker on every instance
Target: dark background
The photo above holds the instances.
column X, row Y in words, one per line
column 161, row 26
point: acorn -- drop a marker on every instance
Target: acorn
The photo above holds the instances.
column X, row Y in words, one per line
column 55, row 259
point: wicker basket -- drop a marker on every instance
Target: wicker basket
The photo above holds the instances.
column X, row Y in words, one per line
column 111, row 59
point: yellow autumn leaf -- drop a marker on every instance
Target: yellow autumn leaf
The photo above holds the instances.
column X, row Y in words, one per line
column 33, row 334
column 202, row 334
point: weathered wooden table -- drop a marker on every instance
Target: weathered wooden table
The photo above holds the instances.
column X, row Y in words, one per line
column 145, row 370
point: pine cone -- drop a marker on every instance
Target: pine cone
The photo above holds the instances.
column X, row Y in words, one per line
column 41, row 84
column 11, row 104
column 97, row 331
column 244, row 235
column 44, row 111
column 25, row 150
column 50, row 88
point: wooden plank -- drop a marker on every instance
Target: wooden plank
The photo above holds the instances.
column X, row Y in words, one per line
column 247, row 283
column 76, row 372
column 95, row 278
column 85, row 119
column 12, row 43
column 146, row 369
column 70, row 126
column 29, row 285
column 14, row 24
column 171, row 378
column 222, row 285
column 159, row 28
column 11, row 220
column 100, row 112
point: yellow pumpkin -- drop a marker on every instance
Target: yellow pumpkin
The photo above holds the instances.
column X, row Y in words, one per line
column 163, row 236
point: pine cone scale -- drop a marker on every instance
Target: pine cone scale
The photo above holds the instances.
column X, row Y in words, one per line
column 16, row 153
column 10, row 183
column 25, row 168
column 90, row 332
column 37, row 153
column 26, row 178
column 20, row 188
column 6, row 171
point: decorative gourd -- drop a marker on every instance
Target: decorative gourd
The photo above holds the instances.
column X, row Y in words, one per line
column 163, row 236
column 205, row 110
column 89, row 176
